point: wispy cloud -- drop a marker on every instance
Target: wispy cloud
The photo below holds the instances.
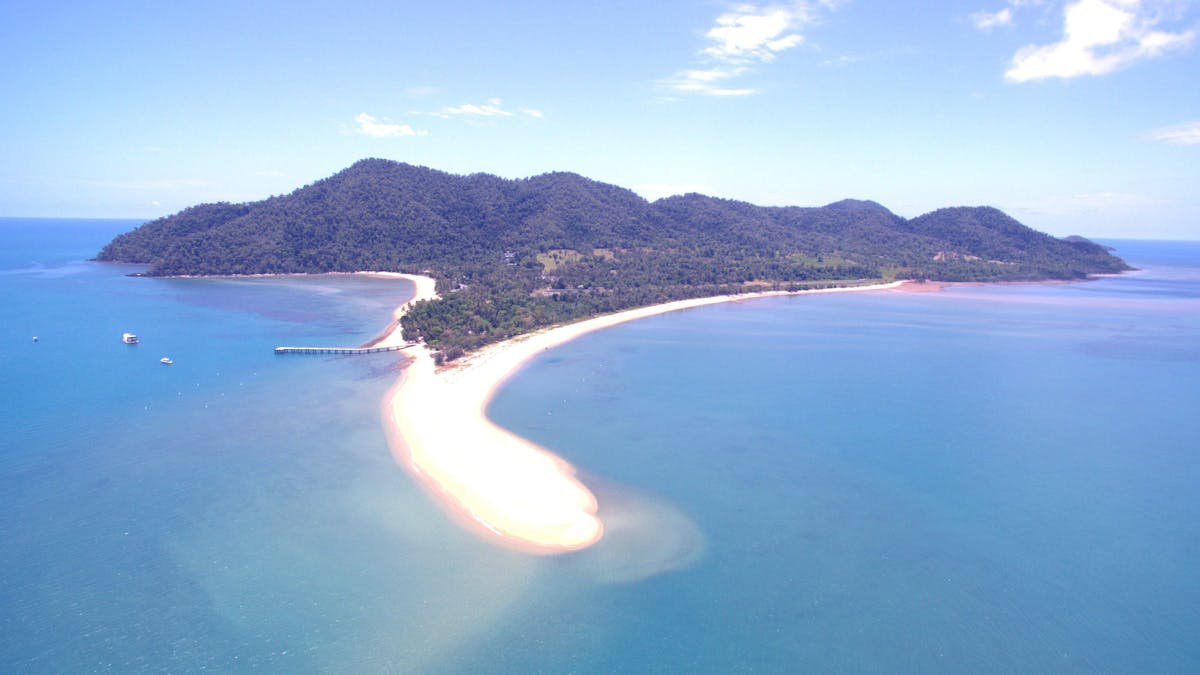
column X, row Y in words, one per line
column 986, row 21
column 369, row 125
column 708, row 81
column 1099, row 36
column 155, row 184
column 72, row 183
column 420, row 91
column 1082, row 204
column 492, row 108
column 741, row 39
column 847, row 60
column 1187, row 133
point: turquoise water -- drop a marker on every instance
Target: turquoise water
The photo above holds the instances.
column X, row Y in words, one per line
column 982, row 479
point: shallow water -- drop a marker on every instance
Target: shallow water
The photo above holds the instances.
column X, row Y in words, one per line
column 987, row 478
column 984, row 478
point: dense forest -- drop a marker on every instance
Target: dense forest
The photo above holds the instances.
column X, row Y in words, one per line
column 514, row 255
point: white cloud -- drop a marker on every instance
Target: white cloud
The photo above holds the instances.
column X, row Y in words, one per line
column 708, row 81
column 986, row 21
column 1099, row 36
column 490, row 109
column 744, row 37
column 369, row 125
column 1187, row 133
column 493, row 108
column 751, row 33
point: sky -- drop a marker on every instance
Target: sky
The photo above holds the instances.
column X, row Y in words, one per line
column 1075, row 116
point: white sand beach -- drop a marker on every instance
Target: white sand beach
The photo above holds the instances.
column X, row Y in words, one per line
column 503, row 486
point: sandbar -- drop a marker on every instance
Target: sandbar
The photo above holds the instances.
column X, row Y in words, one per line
column 504, row 487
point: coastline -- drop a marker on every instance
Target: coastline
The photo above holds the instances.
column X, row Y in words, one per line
column 504, row 487
column 390, row 336
column 425, row 290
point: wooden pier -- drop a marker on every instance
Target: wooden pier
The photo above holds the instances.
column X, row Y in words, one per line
column 342, row 350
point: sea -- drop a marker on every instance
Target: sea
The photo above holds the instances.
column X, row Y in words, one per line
column 991, row 478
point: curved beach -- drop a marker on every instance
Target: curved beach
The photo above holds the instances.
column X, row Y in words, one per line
column 504, row 486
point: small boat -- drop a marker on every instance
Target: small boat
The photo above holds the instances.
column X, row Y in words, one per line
column 35, row 338
column 129, row 338
column 165, row 361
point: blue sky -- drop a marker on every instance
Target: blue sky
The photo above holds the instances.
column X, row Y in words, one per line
column 1076, row 117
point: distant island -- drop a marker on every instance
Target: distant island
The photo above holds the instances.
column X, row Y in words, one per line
column 512, row 256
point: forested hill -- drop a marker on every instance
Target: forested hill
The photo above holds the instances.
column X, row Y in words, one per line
column 511, row 255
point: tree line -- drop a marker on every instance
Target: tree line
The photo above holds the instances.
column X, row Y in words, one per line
column 481, row 237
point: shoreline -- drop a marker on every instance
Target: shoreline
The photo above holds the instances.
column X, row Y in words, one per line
column 425, row 289
column 389, row 336
column 503, row 487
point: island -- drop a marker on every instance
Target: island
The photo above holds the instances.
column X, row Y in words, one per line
column 512, row 256
column 506, row 269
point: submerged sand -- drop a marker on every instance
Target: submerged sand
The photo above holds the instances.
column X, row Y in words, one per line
column 505, row 487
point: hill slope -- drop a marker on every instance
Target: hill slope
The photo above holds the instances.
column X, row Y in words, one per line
column 512, row 255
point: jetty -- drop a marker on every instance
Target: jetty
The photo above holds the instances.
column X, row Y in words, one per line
column 343, row 350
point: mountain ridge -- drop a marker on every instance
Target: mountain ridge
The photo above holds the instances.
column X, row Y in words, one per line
column 516, row 254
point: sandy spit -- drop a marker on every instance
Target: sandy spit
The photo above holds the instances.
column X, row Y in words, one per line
column 500, row 485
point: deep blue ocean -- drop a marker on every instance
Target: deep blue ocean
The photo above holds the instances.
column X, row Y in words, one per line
column 987, row 478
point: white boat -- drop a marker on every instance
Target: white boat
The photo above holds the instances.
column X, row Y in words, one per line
column 129, row 338
column 165, row 361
